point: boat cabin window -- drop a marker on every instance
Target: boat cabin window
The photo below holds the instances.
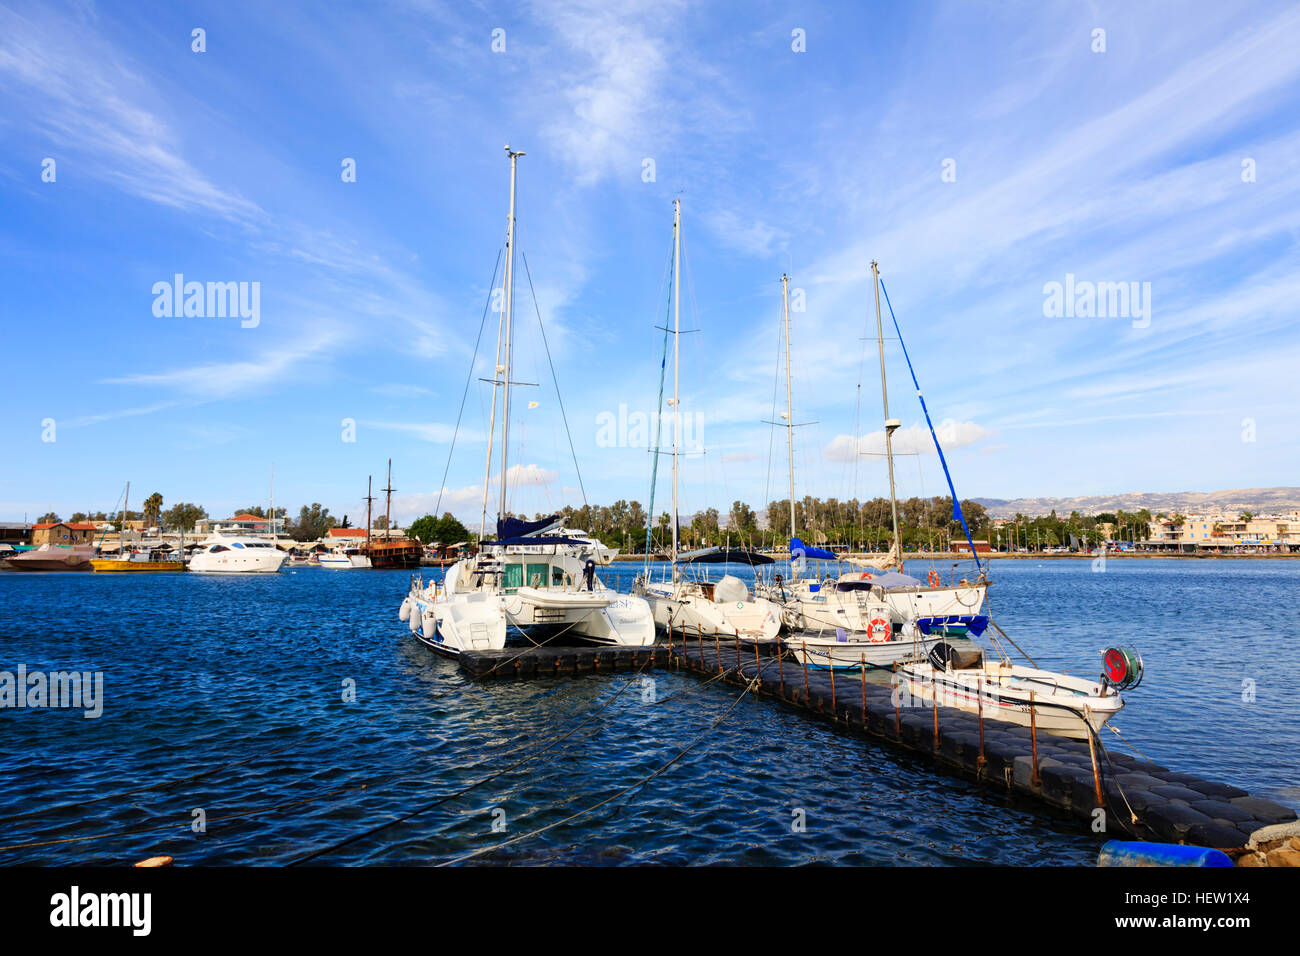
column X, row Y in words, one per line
column 557, row 577
column 216, row 548
column 537, row 574
column 513, row 578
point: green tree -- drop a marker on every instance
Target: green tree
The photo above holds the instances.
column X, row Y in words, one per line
column 48, row 518
column 313, row 522
column 183, row 517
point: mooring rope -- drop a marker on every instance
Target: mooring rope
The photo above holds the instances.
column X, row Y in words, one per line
column 622, row 793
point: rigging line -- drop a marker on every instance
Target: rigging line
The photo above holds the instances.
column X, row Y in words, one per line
column 558, row 397
column 448, row 797
column 469, row 377
column 956, row 504
column 771, row 434
column 622, row 793
column 659, row 415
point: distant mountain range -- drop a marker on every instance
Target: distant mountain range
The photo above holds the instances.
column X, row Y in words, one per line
column 1254, row 500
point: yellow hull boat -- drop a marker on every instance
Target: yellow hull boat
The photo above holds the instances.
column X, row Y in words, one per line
column 117, row 564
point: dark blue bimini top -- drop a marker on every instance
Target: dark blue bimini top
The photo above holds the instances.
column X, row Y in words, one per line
column 510, row 528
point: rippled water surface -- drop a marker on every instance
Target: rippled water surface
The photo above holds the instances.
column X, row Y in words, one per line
column 231, row 689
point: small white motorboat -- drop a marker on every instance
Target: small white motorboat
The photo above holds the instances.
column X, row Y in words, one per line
column 343, row 559
column 1054, row 703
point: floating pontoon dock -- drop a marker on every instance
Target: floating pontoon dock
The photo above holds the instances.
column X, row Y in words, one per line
column 1139, row 798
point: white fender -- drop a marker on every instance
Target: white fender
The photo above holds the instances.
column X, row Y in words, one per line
column 414, row 620
column 430, row 625
column 404, row 614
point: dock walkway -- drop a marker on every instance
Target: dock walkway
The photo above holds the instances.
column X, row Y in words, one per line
column 1138, row 797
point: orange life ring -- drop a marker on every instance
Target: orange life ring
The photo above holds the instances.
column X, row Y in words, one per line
column 878, row 630
column 934, row 578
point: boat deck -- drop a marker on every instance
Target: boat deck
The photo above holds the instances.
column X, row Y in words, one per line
column 1138, row 798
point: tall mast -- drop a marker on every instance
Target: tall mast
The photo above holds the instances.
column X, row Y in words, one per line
column 271, row 523
column 891, row 424
column 789, row 401
column 677, row 352
column 497, row 369
column 369, row 498
column 509, row 345
column 388, row 504
column 121, row 539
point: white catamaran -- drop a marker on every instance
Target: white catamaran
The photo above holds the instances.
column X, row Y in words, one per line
column 543, row 585
column 700, row 606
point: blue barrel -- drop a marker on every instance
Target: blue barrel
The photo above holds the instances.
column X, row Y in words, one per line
column 1132, row 853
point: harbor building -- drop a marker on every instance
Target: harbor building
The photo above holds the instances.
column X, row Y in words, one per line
column 63, row 532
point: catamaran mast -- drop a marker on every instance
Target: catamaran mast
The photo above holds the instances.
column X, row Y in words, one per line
column 509, row 345
column 789, row 402
column 677, row 333
column 891, row 424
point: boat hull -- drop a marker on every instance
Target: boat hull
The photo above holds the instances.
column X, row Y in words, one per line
column 754, row 621
column 1063, row 706
column 116, row 565
column 824, row 652
column 52, row 559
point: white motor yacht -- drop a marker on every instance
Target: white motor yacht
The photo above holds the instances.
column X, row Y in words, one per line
column 237, row 554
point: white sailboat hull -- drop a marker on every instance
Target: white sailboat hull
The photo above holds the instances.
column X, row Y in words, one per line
column 819, row 650
column 912, row 603
column 756, row 620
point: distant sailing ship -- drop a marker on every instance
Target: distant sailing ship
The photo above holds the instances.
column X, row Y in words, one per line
column 391, row 552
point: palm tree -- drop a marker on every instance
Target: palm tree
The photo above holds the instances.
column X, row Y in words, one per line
column 152, row 509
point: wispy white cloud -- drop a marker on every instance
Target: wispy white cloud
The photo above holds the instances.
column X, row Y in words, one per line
column 86, row 98
column 914, row 440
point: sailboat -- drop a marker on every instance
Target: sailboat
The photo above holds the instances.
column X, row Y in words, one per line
column 701, row 606
column 878, row 613
column 538, row 583
column 126, row 561
column 833, row 623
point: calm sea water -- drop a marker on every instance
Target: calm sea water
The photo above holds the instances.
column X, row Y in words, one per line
column 231, row 690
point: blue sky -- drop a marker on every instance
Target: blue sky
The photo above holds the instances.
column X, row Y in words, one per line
column 1128, row 165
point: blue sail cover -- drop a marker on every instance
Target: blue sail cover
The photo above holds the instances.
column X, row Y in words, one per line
column 510, row 528
column 800, row 550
